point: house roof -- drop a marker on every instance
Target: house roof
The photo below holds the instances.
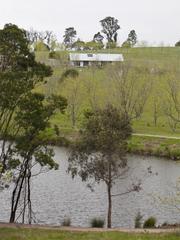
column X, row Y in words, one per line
column 96, row 57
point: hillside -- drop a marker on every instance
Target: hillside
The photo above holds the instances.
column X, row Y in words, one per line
column 154, row 66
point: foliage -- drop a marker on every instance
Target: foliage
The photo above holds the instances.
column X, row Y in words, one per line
column 132, row 38
column 98, row 38
column 19, row 74
column 44, row 37
column 177, row 44
column 110, row 27
column 100, row 153
column 97, row 223
column 78, row 45
column 33, row 118
column 93, row 45
column 111, row 45
column 69, row 73
column 24, row 114
column 41, row 46
column 150, row 223
column 69, row 36
column 126, row 44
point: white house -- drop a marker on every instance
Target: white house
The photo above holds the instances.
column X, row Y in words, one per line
column 88, row 59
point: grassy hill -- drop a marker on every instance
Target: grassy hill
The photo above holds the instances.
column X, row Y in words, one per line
column 154, row 65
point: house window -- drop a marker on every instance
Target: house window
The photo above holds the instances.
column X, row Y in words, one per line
column 90, row 55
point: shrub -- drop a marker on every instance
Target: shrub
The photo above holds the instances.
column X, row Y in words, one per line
column 138, row 220
column 177, row 44
column 97, row 223
column 66, row 222
column 52, row 54
column 150, row 223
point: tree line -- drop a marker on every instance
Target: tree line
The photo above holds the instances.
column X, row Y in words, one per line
column 106, row 38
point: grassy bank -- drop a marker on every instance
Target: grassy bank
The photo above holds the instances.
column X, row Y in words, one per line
column 37, row 234
column 152, row 146
column 141, row 145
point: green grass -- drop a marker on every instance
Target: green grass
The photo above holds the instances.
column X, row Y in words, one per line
column 35, row 234
column 165, row 59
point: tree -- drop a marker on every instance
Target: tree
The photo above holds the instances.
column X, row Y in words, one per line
column 100, row 153
column 98, row 38
column 19, row 74
column 90, row 87
column 72, row 93
column 69, row 36
column 78, row 45
column 23, row 116
column 93, row 45
column 31, row 149
column 156, row 105
column 126, row 44
column 128, row 87
column 110, row 27
column 132, row 38
column 172, row 100
column 45, row 37
column 177, row 44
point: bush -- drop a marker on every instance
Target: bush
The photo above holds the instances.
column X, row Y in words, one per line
column 177, row 44
column 66, row 222
column 138, row 220
column 150, row 223
column 97, row 223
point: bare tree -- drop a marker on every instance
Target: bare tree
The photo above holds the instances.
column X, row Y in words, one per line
column 47, row 37
column 128, row 88
column 91, row 85
column 157, row 105
column 73, row 93
column 172, row 100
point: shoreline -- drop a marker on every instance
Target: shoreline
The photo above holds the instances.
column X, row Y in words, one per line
column 81, row 229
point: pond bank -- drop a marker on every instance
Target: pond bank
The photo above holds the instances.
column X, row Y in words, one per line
column 140, row 144
column 81, row 229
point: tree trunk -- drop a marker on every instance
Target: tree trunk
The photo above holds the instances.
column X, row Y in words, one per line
column 109, row 186
column 73, row 116
column 109, row 206
column 15, row 198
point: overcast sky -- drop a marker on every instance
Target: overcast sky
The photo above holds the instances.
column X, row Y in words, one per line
column 155, row 21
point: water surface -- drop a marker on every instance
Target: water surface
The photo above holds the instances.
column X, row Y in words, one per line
column 55, row 195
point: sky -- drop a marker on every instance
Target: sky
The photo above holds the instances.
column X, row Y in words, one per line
column 155, row 21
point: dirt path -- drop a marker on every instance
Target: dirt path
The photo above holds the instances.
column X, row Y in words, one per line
column 155, row 136
column 79, row 229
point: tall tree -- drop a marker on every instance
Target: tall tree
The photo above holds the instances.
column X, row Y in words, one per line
column 98, row 38
column 100, row 153
column 129, row 87
column 19, row 74
column 172, row 99
column 110, row 27
column 72, row 88
column 31, row 149
column 69, row 37
column 46, row 37
column 132, row 38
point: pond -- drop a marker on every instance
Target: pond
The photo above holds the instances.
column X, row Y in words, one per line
column 56, row 196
